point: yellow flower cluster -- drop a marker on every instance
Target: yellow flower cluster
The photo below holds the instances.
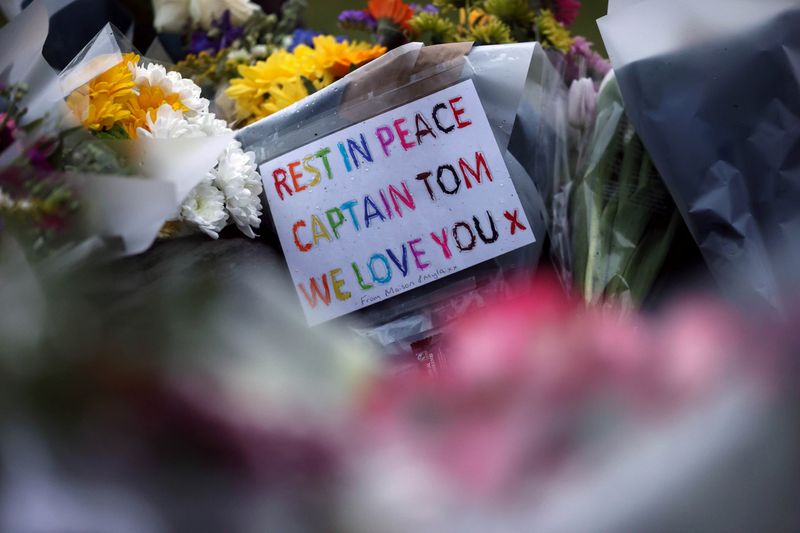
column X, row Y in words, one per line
column 113, row 99
column 553, row 31
column 283, row 78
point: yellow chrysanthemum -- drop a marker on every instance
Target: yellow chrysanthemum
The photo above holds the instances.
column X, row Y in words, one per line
column 99, row 113
column 147, row 103
column 553, row 31
column 103, row 102
column 283, row 95
column 340, row 57
column 275, row 83
column 116, row 82
column 282, row 78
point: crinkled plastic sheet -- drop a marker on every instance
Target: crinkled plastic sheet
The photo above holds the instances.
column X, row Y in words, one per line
column 713, row 89
column 21, row 61
column 522, row 95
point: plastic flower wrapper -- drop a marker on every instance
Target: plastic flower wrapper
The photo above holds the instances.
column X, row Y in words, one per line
column 614, row 223
column 159, row 120
column 712, row 88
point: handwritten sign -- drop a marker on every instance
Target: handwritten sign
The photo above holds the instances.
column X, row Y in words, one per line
column 393, row 203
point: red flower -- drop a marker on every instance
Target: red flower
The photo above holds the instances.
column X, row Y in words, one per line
column 395, row 10
column 567, row 11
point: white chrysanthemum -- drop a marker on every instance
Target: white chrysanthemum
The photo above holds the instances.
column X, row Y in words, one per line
column 209, row 124
column 171, row 15
column 239, row 180
column 169, row 124
column 172, row 82
column 205, row 208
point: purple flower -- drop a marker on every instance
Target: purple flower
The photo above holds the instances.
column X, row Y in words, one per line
column 221, row 35
column 357, row 20
column 39, row 155
column 600, row 65
column 583, row 61
column 302, row 36
column 581, row 46
column 201, row 42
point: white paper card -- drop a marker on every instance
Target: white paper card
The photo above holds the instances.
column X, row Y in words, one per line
column 394, row 203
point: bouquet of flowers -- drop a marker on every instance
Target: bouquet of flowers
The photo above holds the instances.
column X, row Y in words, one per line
column 114, row 148
column 614, row 221
column 134, row 99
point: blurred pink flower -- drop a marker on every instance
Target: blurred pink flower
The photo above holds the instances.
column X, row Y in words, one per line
column 695, row 340
column 526, row 376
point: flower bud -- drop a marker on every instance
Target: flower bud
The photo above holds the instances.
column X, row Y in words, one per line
column 582, row 105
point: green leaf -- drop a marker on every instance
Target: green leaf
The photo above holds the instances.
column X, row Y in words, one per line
column 649, row 259
column 309, row 85
column 117, row 132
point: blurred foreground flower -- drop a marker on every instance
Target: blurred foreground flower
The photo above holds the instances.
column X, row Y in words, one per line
column 535, row 381
column 548, row 417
